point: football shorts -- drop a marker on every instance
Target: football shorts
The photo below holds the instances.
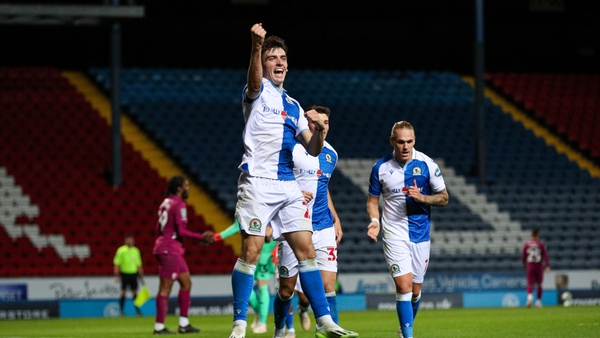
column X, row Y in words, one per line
column 404, row 257
column 261, row 201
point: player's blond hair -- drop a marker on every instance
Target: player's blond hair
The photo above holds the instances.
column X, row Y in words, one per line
column 401, row 125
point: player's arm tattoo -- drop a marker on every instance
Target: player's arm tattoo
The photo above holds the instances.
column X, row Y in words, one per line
column 439, row 199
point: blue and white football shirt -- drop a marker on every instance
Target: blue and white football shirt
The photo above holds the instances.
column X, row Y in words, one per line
column 313, row 174
column 402, row 216
column 273, row 121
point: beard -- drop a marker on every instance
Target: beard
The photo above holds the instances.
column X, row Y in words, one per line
column 185, row 195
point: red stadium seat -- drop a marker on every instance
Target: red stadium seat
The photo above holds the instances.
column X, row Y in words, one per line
column 567, row 102
column 59, row 152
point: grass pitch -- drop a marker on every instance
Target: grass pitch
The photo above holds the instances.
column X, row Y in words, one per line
column 456, row 323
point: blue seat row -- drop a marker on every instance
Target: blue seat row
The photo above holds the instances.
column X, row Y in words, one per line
column 196, row 115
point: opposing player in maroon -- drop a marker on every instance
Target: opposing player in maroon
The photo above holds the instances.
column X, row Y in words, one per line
column 535, row 259
column 168, row 249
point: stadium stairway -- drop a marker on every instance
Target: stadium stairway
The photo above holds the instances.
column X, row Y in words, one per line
column 533, row 179
column 59, row 215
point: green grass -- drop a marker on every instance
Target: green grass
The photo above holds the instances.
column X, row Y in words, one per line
column 481, row 323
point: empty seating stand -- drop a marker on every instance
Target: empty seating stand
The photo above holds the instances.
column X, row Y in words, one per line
column 196, row 116
column 63, row 215
column 567, row 102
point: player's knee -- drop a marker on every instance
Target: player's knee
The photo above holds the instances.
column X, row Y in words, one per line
column 285, row 294
column 329, row 286
column 286, row 288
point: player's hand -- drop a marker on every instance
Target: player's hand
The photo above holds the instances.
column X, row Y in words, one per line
column 258, row 34
column 308, row 196
column 208, row 237
column 338, row 231
column 314, row 117
column 373, row 230
column 413, row 191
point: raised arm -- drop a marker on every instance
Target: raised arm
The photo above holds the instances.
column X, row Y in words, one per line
column 255, row 71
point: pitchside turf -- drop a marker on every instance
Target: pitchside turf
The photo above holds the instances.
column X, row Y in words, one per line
column 506, row 322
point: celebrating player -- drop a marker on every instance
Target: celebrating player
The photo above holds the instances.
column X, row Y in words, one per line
column 313, row 175
column 409, row 182
column 267, row 189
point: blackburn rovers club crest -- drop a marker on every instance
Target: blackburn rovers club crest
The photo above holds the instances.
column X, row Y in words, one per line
column 395, row 268
column 255, row 225
column 288, row 100
column 328, row 158
column 283, row 271
column 416, row 171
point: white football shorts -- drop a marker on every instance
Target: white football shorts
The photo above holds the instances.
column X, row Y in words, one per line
column 325, row 249
column 261, row 201
column 404, row 257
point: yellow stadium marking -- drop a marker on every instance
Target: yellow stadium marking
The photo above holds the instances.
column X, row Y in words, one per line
column 157, row 159
column 539, row 130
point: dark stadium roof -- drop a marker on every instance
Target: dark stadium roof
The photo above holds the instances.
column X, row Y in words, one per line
column 333, row 34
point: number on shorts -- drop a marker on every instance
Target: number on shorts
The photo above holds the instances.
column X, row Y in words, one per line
column 332, row 256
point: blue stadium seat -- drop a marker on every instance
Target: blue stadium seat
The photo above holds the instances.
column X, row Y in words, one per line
column 196, row 115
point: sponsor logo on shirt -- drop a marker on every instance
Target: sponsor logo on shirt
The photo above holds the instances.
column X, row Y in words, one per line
column 438, row 173
column 317, row 172
column 284, row 115
column 183, row 212
column 308, row 171
column 294, row 120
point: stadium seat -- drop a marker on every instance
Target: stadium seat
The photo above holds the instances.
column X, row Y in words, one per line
column 59, row 170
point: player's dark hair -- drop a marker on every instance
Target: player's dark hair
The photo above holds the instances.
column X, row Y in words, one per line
column 320, row 109
column 535, row 232
column 175, row 183
column 273, row 42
